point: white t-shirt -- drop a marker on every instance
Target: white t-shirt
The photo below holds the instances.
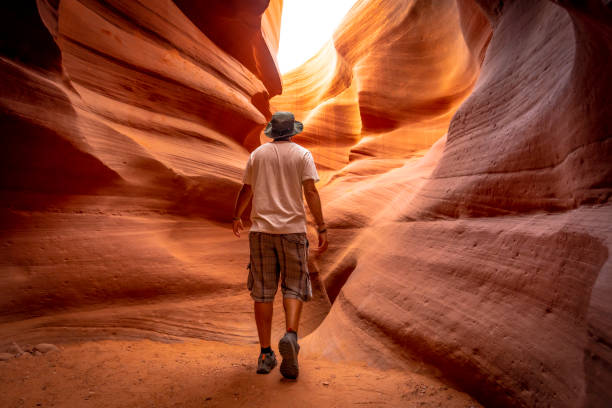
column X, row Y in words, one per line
column 275, row 171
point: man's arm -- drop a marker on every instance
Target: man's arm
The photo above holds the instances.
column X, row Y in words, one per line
column 244, row 196
column 314, row 204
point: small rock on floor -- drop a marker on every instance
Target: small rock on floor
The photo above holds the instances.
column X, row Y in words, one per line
column 15, row 349
column 45, row 347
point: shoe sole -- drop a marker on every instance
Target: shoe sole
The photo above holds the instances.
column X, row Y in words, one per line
column 289, row 366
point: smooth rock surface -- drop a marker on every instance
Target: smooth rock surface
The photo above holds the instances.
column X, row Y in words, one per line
column 488, row 259
column 14, row 349
column 45, row 348
column 464, row 149
column 128, row 118
column 388, row 84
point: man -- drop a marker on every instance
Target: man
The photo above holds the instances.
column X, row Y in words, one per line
column 275, row 175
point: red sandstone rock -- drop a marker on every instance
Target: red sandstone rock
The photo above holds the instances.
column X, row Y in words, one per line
column 494, row 268
column 465, row 154
column 385, row 87
column 45, row 348
column 254, row 28
column 145, row 117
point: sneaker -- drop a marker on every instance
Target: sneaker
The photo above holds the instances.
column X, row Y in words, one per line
column 266, row 363
column 289, row 349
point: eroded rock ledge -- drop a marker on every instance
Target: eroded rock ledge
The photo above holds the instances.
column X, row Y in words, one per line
column 465, row 154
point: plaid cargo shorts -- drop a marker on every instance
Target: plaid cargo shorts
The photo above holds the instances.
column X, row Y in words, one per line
column 274, row 256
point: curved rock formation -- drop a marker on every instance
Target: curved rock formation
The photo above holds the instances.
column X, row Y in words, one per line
column 385, row 86
column 125, row 139
column 464, row 147
column 254, row 28
column 527, row 148
column 491, row 263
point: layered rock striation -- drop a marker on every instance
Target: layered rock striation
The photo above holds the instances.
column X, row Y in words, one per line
column 126, row 126
column 464, row 147
column 388, row 83
column 488, row 258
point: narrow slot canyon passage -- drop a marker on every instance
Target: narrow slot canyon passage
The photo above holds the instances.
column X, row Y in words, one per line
column 463, row 149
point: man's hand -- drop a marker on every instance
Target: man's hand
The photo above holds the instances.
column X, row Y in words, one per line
column 237, row 227
column 322, row 242
column 242, row 201
column 314, row 204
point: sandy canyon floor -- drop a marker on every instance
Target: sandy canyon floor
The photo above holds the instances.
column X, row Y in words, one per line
column 200, row 373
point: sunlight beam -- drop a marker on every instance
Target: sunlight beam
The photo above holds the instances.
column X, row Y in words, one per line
column 305, row 28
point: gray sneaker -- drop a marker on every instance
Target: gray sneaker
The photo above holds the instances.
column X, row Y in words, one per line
column 289, row 349
column 266, row 363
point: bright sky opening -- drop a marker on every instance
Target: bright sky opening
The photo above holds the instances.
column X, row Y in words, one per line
column 306, row 26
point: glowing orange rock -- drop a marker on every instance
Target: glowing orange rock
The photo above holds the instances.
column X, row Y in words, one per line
column 489, row 259
column 387, row 85
column 464, row 150
column 120, row 119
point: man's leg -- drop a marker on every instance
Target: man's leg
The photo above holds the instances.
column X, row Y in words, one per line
column 288, row 345
column 263, row 319
column 293, row 311
column 263, row 283
column 296, row 289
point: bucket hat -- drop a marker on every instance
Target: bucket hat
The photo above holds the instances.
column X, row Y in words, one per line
column 283, row 124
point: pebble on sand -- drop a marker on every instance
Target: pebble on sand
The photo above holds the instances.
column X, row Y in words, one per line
column 45, row 347
column 15, row 349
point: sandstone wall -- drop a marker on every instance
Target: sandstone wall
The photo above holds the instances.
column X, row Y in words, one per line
column 125, row 127
column 488, row 259
column 465, row 153
column 388, row 83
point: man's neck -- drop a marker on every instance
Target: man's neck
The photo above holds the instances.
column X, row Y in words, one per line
column 285, row 139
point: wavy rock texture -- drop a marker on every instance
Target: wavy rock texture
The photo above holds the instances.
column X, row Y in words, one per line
column 126, row 127
column 488, row 258
column 388, row 84
column 465, row 153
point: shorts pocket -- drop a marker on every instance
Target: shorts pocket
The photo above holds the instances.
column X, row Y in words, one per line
column 298, row 238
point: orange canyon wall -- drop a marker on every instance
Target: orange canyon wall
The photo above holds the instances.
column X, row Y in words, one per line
column 465, row 153
column 126, row 128
column 489, row 257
